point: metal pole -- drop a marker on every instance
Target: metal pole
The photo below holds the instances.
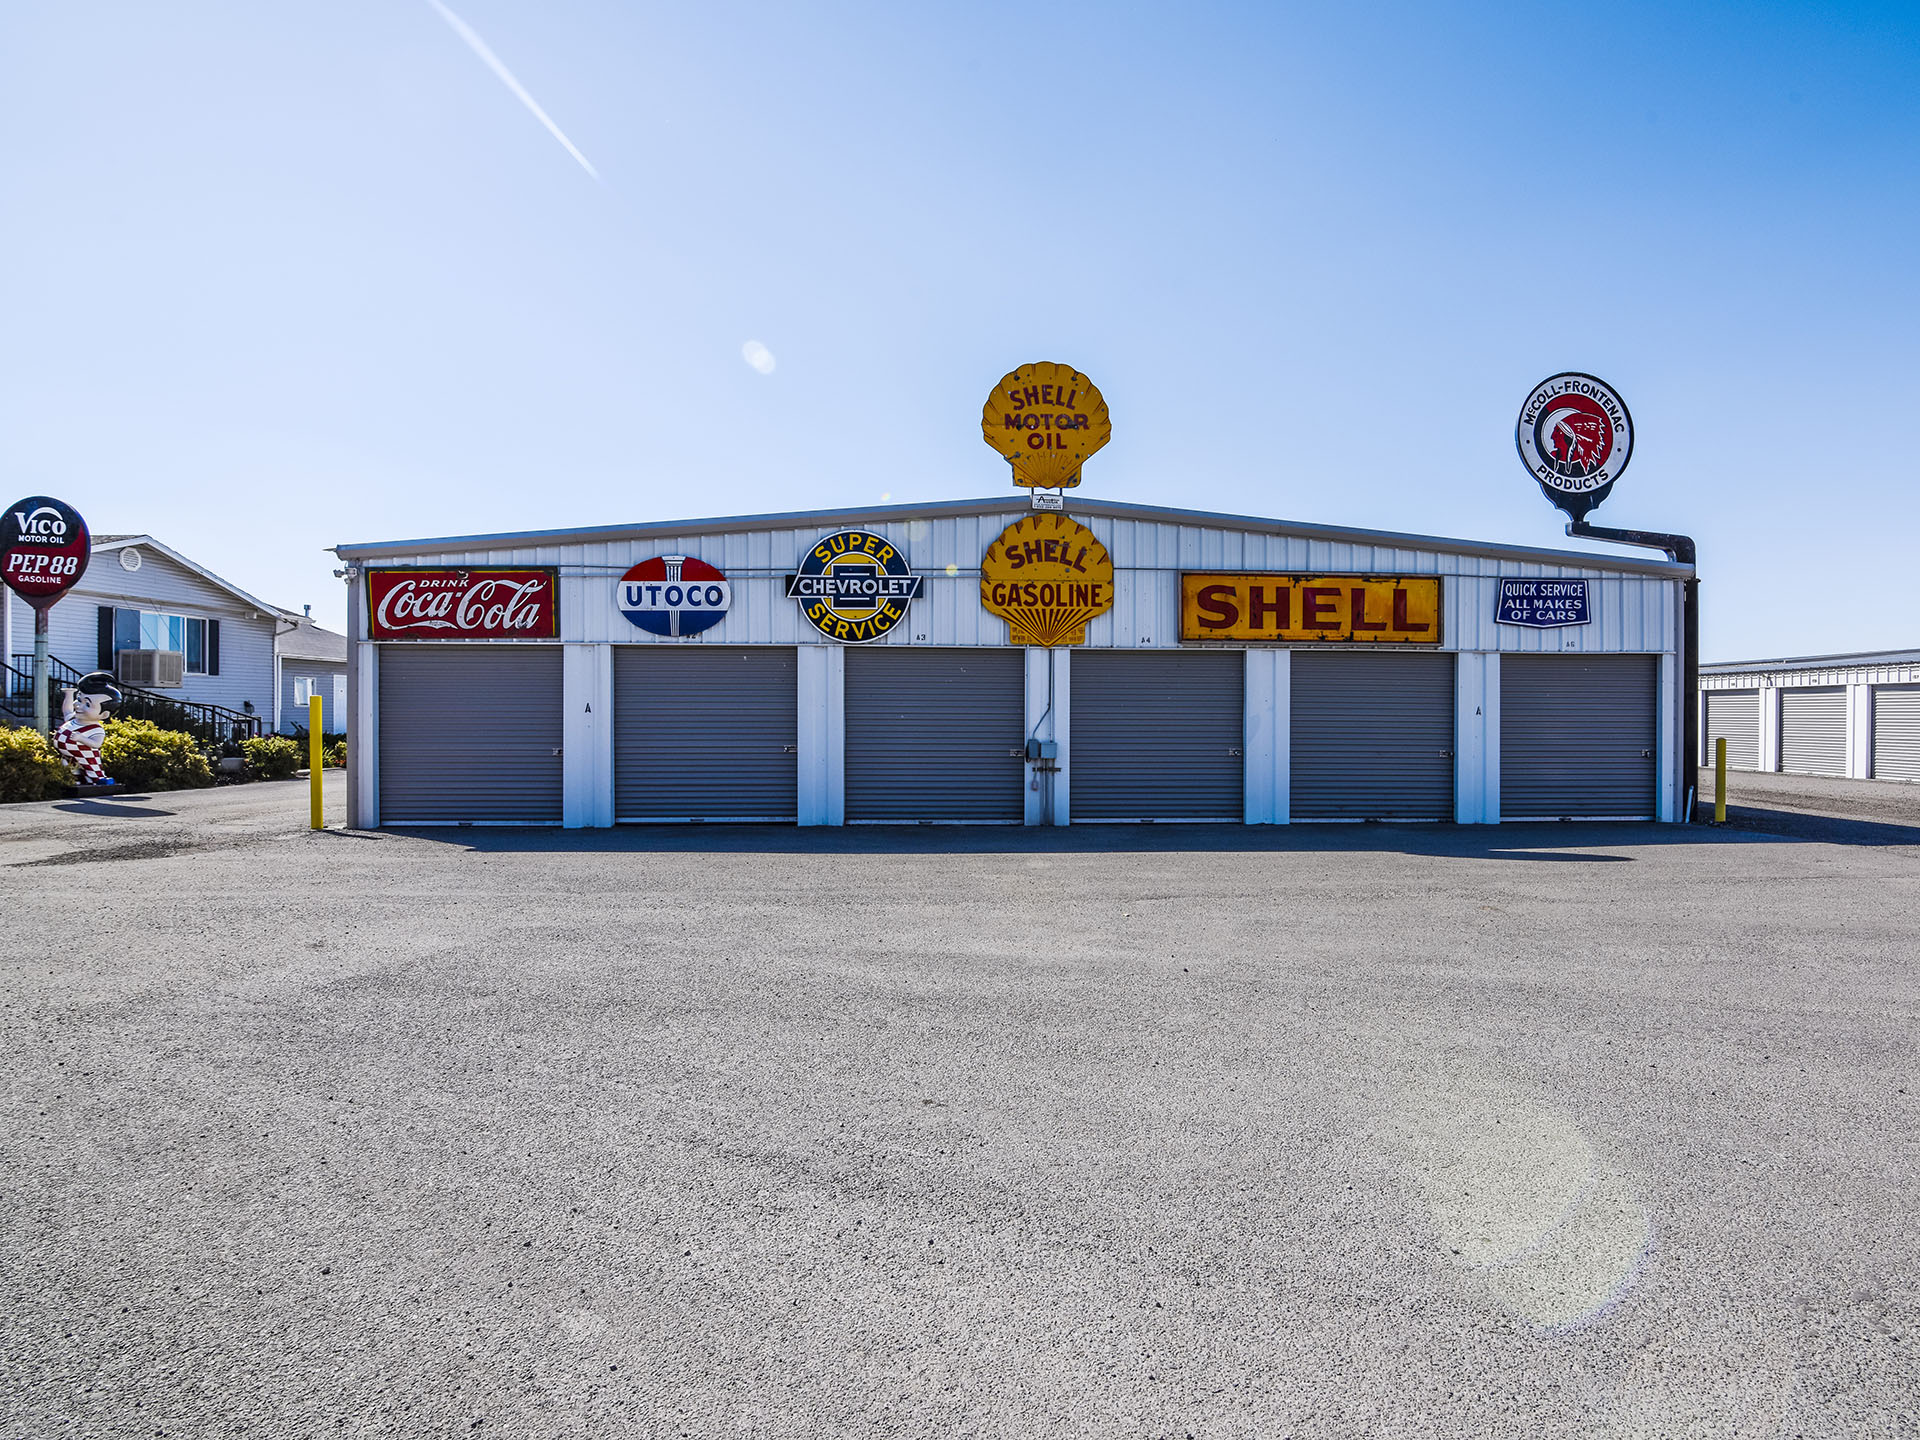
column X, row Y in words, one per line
column 316, row 752
column 40, row 709
column 1720, row 781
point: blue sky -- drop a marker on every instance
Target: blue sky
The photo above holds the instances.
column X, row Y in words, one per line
column 282, row 276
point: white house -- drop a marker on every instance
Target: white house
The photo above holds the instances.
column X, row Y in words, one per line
column 140, row 595
column 311, row 661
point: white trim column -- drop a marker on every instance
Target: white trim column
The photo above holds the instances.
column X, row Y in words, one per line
column 363, row 711
column 1768, row 728
column 1049, row 706
column 1859, row 732
column 1670, row 778
column 821, row 679
column 1476, row 737
column 586, row 737
column 1266, row 737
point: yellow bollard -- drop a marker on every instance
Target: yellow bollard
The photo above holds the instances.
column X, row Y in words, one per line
column 316, row 717
column 1719, row 782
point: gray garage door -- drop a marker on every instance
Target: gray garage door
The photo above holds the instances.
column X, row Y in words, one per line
column 1734, row 716
column 1372, row 736
column 936, row 734
column 1157, row 734
column 1577, row 736
column 1813, row 731
column 1896, row 732
column 469, row 732
column 704, row 732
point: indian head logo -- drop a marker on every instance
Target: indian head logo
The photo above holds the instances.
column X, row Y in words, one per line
column 1575, row 437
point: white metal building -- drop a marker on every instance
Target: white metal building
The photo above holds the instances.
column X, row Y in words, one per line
column 761, row 717
column 1852, row 716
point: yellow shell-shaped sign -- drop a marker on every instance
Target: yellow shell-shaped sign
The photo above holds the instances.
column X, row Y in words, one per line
column 1047, row 576
column 1046, row 419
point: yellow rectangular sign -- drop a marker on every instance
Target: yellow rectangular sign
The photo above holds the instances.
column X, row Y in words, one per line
column 1361, row 609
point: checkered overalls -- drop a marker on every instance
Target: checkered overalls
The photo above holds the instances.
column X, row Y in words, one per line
column 79, row 745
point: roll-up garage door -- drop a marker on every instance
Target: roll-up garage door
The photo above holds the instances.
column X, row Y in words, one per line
column 1372, row 735
column 1734, row 716
column 470, row 732
column 1896, row 732
column 1813, row 732
column 1157, row 734
column 705, row 732
column 1577, row 736
column 936, row 734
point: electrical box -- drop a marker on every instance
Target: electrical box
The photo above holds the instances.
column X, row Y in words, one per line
column 1043, row 749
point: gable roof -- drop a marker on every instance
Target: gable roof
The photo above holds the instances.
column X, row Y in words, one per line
column 1117, row 509
column 120, row 542
column 307, row 641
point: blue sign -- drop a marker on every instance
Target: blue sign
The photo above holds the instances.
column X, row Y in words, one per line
column 674, row 595
column 1544, row 604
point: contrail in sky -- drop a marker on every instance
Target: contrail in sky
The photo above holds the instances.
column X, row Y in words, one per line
column 479, row 47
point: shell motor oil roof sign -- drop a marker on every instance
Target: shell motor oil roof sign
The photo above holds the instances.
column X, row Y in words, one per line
column 1046, row 419
column 1047, row 576
column 1360, row 609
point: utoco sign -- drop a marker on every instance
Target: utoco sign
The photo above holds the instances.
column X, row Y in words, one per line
column 472, row 604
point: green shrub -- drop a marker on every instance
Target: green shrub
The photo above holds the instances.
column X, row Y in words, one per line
column 336, row 756
column 29, row 769
column 141, row 756
column 271, row 757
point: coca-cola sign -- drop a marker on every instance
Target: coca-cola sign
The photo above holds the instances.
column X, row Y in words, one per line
column 471, row 604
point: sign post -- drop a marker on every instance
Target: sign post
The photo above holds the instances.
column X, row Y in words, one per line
column 1575, row 436
column 44, row 548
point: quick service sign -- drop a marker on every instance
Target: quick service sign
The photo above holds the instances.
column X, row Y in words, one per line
column 1046, row 419
column 1543, row 604
column 1047, row 576
column 674, row 595
column 1362, row 609
column 854, row 585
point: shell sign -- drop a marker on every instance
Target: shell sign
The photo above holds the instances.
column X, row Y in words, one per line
column 1047, row 576
column 1046, row 419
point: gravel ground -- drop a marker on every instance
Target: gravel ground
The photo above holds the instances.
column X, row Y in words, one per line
column 1187, row 1131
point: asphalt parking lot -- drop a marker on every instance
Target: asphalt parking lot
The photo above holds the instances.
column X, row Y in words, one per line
column 1318, row 1131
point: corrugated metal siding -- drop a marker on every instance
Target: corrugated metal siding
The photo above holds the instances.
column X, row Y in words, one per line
column 1630, row 612
column 1372, row 735
column 1813, row 732
column 1158, row 736
column 935, row 734
column 1896, row 732
column 470, row 732
column 1577, row 736
column 705, row 733
column 1734, row 715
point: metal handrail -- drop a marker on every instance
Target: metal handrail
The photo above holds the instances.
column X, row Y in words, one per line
column 217, row 721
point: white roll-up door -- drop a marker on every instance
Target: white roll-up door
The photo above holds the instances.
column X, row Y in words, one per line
column 705, row 732
column 470, row 733
column 1158, row 734
column 935, row 734
column 1813, row 731
column 1896, row 732
column 1577, row 736
column 1734, row 716
column 1372, row 735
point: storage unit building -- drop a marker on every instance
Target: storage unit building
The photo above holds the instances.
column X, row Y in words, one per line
column 1853, row 716
column 671, row 673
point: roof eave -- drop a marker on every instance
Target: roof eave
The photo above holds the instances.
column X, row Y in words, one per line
column 1114, row 509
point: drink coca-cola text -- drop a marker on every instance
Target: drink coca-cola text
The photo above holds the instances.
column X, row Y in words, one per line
column 463, row 604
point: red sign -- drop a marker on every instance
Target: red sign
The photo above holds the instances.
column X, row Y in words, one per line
column 44, row 548
column 473, row 604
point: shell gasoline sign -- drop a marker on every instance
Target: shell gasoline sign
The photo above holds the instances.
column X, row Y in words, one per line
column 1047, row 576
column 1046, row 419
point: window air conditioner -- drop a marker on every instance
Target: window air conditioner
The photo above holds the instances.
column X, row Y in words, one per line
column 151, row 669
